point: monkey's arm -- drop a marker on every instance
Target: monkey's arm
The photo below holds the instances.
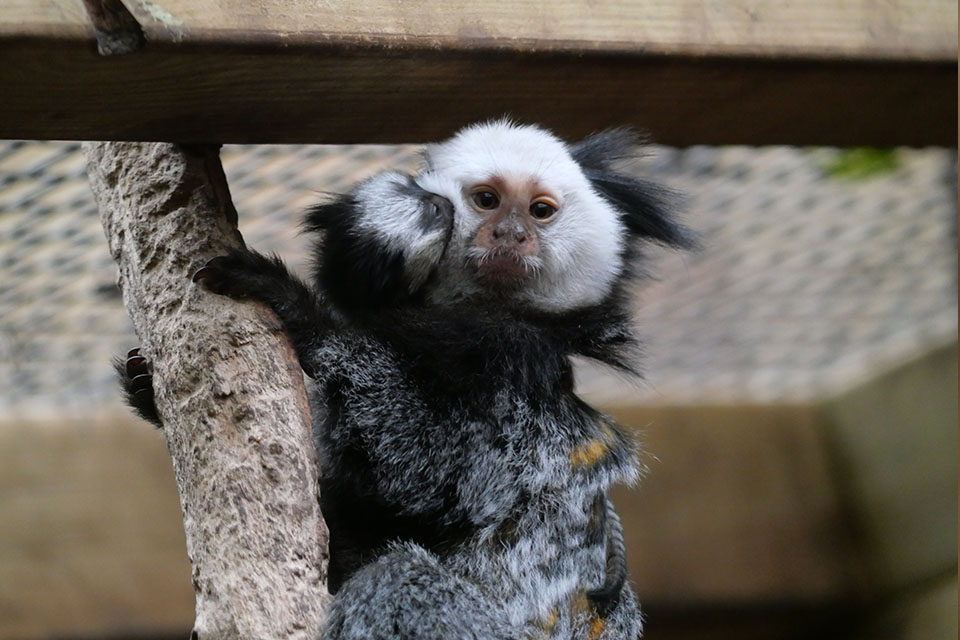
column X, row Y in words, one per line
column 243, row 274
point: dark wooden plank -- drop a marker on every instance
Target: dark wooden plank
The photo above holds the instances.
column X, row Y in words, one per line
column 332, row 93
column 689, row 71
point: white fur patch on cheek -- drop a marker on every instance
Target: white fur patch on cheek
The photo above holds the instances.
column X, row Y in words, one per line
column 582, row 255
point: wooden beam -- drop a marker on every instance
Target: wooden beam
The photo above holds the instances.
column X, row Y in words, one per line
column 691, row 72
column 896, row 437
column 736, row 510
column 902, row 29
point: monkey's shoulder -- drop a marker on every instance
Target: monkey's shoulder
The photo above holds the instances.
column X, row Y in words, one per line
column 464, row 347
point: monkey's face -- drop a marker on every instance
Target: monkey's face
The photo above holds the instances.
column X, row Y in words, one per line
column 506, row 245
column 528, row 227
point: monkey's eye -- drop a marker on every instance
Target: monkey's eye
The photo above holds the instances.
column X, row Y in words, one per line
column 543, row 209
column 485, row 199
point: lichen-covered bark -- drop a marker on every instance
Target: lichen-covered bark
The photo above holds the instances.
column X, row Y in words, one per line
column 229, row 390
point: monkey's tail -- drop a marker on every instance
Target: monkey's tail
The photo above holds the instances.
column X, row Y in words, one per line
column 606, row 597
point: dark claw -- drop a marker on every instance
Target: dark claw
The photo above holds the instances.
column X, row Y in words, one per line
column 212, row 267
column 142, row 382
column 201, row 274
column 136, row 381
column 136, row 365
column 211, row 275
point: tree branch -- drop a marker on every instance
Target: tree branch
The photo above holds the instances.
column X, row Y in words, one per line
column 229, row 390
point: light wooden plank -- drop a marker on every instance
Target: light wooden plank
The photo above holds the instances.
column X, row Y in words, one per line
column 736, row 509
column 91, row 534
column 55, row 19
column 900, row 30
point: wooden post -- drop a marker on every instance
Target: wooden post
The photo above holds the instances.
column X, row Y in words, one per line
column 229, row 390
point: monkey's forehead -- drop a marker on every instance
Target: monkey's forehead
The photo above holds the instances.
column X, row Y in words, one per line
column 507, row 150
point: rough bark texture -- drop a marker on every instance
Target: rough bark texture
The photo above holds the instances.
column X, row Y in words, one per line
column 229, row 390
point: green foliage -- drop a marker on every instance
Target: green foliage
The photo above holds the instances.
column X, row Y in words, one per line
column 861, row 163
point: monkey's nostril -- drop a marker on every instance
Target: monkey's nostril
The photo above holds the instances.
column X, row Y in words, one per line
column 510, row 234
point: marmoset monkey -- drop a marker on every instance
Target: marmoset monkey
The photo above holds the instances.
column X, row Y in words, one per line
column 463, row 481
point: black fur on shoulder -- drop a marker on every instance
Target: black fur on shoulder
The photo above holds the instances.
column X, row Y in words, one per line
column 355, row 270
column 644, row 206
column 483, row 345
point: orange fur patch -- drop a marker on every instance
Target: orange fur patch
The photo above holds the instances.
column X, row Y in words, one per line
column 596, row 628
column 551, row 621
column 589, row 454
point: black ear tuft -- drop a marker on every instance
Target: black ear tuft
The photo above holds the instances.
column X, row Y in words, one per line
column 599, row 151
column 338, row 213
column 644, row 206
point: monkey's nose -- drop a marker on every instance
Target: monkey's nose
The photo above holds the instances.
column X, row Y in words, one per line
column 510, row 231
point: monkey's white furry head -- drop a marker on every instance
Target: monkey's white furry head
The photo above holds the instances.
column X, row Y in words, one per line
column 501, row 147
column 580, row 247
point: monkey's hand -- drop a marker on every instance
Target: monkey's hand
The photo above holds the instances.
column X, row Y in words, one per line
column 247, row 275
column 136, row 382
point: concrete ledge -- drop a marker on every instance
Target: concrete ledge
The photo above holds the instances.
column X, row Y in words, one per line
column 91, row 536
column 753, row 513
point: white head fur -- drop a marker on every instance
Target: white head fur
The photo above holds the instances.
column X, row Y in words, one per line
column 581, row 249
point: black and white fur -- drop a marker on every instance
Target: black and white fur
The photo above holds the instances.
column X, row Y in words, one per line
column 463, row 481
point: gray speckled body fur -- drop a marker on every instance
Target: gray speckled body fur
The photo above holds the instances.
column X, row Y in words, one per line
column 525, row 477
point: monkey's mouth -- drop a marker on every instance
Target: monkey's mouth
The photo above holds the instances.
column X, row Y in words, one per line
column 502, row 267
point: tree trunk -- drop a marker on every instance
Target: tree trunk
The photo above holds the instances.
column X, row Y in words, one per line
column 229, row 390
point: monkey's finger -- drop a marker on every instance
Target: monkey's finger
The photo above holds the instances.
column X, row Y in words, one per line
column 143, row 396
column 442, row 207
column 136, row 365
column 204, row 274
column 142, row 382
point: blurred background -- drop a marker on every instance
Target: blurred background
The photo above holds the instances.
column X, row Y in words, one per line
column 798, row 413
